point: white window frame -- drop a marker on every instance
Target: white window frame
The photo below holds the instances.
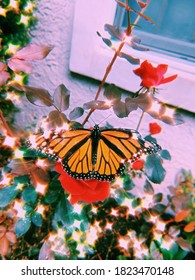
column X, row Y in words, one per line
column 90, row 56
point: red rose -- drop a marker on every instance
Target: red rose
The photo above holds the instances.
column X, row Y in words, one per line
column 138, row 164
column 154, row 128
column 83, row 190
column 153, row 76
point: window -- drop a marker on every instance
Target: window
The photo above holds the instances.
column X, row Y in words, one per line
column 174, row 28
column 90, row 56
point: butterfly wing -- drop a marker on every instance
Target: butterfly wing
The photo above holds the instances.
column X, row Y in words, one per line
column 115, row 147
column 73, row 148
column 98, row 154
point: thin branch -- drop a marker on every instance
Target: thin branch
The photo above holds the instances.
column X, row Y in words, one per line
column 7, row 128
column 142, row 11
column 140, row 120
column 108, row 69
column 117, row 52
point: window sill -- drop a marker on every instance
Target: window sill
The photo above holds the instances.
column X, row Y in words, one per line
column 90, row 56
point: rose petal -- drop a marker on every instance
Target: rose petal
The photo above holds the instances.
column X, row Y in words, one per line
column 168, row 79
column 153, row 76
column 138, row 164
column 161, row 69
column 100, row 193
column 154, row 128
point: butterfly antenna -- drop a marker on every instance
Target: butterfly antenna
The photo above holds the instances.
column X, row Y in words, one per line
column 105, row 119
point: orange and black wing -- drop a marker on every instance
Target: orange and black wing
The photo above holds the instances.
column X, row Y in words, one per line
column 115, row 147
column 73, row 148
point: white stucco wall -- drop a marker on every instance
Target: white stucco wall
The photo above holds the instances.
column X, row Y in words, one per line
column 55, row 23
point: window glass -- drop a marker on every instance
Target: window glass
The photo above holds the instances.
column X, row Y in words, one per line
column 174, row 28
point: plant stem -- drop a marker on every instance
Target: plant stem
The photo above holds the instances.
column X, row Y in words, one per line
column 117, row 52
column 142, row 11
column 108, row 69
column 140, row 120
column 5, row 125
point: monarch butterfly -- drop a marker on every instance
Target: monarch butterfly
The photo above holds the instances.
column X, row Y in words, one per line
column 100, row 153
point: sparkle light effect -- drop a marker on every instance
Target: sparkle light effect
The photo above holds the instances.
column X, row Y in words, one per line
column 24, row 19
column 13, row 97
column 124, row 242
column 18, row 79
column 147, row 201
column 14, row 4
column 12, row 49
column 41, row 188
column 29, row 7
column 9, row 141
column 6, row 178
column 155, row 107
column 128, row 202
column 32, row 140
column 92, row 235
column 41, row 209
column 57, row 242
column 18, row 154
column 3, row 12
column 18, row 206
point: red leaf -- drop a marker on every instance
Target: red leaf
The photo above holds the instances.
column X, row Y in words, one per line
column 190, row 227
column 182, row 215
column 4, row 76
column 142, row 4
column 33, row 52
column 19, row 65
column 3, row 66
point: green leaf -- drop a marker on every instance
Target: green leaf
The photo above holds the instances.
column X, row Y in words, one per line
column 157, row 197
column 154, row 169
column 84, row 226
column 148, row 187
column 136, row 202
column 129, row 58
column 63, row 212
column 76, row 113
column 180, row 255
column 29, row 194
column 128, row 183
column 158, row 209
column 120, row 109
column 114, row 31
column 105, row 40
column 38, row 96
column 112, row 92
column 165, row 154
column 22, row 226
column 56, row 119
column 61, row 98
column 24, row 179
column 96, row 105
column 7, row 194
column 150, row 139
column 167, row 255
column 51, row 197
column 37, row 219
column 119, row 195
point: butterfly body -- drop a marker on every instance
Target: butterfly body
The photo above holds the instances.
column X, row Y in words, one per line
column 98, row 154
